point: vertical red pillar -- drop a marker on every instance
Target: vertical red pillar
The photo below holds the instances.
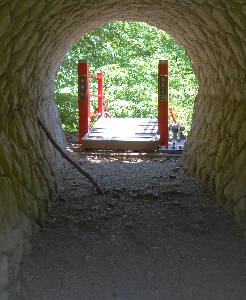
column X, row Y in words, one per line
column 163, row 102
column 83, row 98
column 100, row 92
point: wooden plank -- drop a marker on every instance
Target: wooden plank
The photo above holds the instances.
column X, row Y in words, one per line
column 138, row 131
column 123, row 134
column 103, row 122
column 123, row 125
column 120, row 137
column 120, row 145
column 128, row 138
column 119, row 120
column 109, row 125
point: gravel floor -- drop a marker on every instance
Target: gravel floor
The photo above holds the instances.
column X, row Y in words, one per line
column 156, row 234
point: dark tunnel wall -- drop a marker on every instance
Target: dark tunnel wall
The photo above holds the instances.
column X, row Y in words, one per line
column 35, row 35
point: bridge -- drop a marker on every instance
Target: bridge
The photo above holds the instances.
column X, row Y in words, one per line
column 125, row 133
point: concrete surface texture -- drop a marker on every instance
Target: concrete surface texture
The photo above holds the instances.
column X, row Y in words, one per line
column 35, row 35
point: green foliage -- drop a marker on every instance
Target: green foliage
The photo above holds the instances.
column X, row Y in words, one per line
column 128, row 54
column 68, row 107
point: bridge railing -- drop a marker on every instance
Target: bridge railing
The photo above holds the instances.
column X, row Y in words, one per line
column 84, row 95
column 163, row 96
column 84, row 99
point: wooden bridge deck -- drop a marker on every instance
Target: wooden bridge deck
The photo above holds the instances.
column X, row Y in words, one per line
column 123, row 134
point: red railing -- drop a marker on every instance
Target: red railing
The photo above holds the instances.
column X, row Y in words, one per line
column 100, row 96
column 172, row 114
column 84, row 98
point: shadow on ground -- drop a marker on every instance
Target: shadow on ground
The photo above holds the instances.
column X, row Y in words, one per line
column 155, row 234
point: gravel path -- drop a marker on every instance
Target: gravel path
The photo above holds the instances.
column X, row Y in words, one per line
column 156, row 234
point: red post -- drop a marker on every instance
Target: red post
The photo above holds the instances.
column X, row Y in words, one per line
column 100, row 92
column 163, row 101
column 83, row 98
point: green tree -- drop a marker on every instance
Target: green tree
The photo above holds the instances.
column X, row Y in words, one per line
column 128, row 54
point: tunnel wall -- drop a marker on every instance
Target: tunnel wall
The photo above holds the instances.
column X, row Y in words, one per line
column 30, row 169
column 30, row 172
column 35, row 35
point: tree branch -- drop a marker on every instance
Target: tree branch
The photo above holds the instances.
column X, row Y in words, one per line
column 69, row 159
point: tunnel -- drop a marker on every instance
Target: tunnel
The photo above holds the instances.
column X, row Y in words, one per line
column 35, row 36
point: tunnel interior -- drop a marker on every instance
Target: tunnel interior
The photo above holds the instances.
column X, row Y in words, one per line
column 35, row 35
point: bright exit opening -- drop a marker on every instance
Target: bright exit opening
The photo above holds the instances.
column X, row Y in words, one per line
column 128, row 54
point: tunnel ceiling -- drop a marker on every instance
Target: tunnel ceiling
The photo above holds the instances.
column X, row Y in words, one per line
column 35, row 35
column 211, row 31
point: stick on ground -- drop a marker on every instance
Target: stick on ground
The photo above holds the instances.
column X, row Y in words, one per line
column 69, row 159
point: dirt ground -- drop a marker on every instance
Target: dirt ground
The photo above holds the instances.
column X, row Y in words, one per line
column 156, row 234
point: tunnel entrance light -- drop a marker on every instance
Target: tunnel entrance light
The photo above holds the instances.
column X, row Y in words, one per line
column 124, row 132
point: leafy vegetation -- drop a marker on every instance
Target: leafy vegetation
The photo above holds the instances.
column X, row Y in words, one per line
column 128, row 54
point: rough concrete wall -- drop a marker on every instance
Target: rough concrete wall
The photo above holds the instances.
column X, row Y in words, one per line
column 29, row 168
column 216, row 149
column 34, row 36
column 27, row 184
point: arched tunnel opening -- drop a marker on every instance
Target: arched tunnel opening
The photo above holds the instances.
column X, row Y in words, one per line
column 127, row 54
column 35, row 35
